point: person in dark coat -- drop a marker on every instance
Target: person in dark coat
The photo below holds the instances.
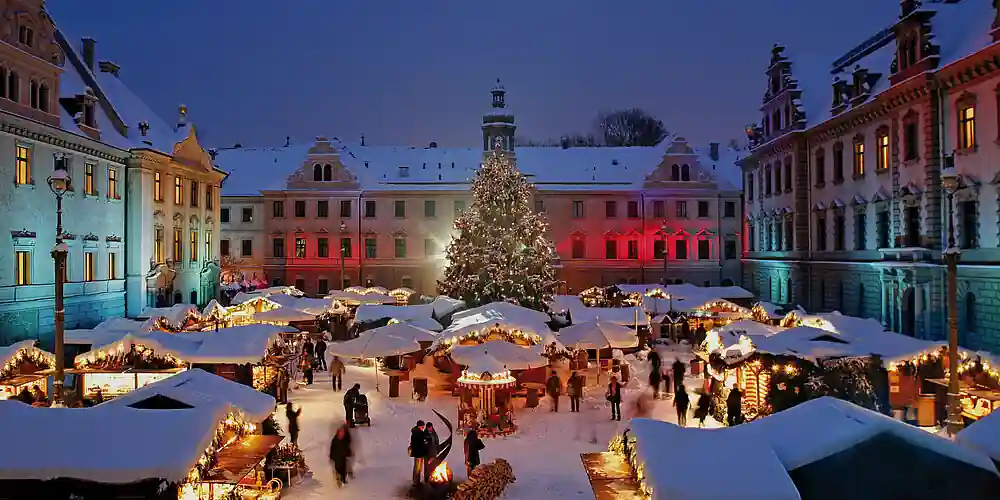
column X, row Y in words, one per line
column 553, row 386
column 734, row 407
column 306, row 364
column 307, row 347
column 473, row 445
column 341, row 453
column 681, row 402
column 25, row 396
column 701, row 411
column 614, row 396
column 293, row 422
column 574, row 386
column 337, row 370
column 433, row 443
column 700, row 334
column 678, row 369
column 418, row 450
column 350, row 400
column 321, row 355
column 654, row 379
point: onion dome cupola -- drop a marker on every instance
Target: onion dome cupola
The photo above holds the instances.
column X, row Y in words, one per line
column 498, row 123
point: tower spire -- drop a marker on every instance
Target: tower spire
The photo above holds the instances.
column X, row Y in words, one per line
column 498, row 123
column 498, row 95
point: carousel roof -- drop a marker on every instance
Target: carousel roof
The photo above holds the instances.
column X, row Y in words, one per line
column 513, row 356
column 598, row 334
column 485, row 370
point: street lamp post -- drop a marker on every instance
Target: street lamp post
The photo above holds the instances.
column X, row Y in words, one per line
column 59, row 182
column 949, row 180
column 343, row 252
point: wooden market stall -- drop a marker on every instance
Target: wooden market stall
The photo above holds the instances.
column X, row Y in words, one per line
column 23, row 367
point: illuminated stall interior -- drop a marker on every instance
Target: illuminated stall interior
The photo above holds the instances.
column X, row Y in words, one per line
column 24, row 366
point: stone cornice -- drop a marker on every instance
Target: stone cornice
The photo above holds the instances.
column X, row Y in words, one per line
column 882, row 105
column 974, row 68
column 54, row 140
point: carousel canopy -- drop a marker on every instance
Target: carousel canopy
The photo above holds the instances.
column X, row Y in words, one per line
column 199, row 388
column 502, row 314
column 598, row 334
column 374, row 344
column 115, row 448
column 513, row 356
column 485, row 370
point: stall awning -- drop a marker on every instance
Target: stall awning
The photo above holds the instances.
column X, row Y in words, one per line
column 235, row 461
column 610, row 476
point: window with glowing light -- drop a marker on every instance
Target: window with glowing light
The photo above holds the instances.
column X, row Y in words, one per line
column 882, row 159
column 158, row 250
column 113, row 184
column 22, row 269
column 178, row 190
column 194, row 246
column 208, row 244
column 112, row 265
column 967, row 127
column 178, row 241
column 157, row 187
column 300, row 248
column 89, row 266
column 859, row 157
column 22, row 163
column 89, row 185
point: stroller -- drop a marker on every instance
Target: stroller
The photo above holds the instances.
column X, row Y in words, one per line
column 361, row 416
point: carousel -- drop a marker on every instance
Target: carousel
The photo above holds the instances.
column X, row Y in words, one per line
column 485, row 404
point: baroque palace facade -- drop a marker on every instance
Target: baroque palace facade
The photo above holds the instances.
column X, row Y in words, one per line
column 136, row 182
column 328, row 215
column 844, row 201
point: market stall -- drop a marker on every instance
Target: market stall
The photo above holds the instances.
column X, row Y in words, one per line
column 485, row 403
column 24, row 367
column 598, row 335
column 391, row 340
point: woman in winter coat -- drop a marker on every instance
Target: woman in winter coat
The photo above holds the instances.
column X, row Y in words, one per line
column 682, row 401
column 473, row 445
column 340, row 453
column 433, row 443
column 701, row 411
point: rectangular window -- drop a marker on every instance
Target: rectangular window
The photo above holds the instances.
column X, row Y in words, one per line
column 859, row 159
column 300, row 208
column 370, row 209
column 751, row 237
column 680, row 249
column 277, row 209
column 702, row 209
column 730, row 250
column 767, row 180
column 345, row 209
column 399, row 209
column 913, row 227
column 578, row 209
column 224, row 248
column 89, row 185
column 430, row 209
column 89, row 266
column 429, row 247
column 821, row 233
column 704, row 249
column 788, row 175
column 540, row 205
column 459, row 207
column 400, row 248
column 112, row 265
column 178, row 190
column 208, row 244
column 659, row 249
column 278, row 247
column 838, row 163
column 371, row 248
column 967, row 127
column 681, row 209
column 779, row 233
column 322, row 286
column 860, row 230
column 22, row 273
column 300, row 284
column 610, row 249
column 633, row 249
column 322, row 209
column 158, row 249
column 247, row 214
column 882, row 162
column 632, row 210
column 789, row 230
column 224, row 215
column 750, row 190
column 777, row 178
column 820, row 168
column 345, row 248
column 970, row 224
column 194, row 193
column 839, row 228
column 882, row 228
column 157, row 187
column 209, row 196
column 729, row 209
column 322, row 248
column 579, row 249
column 610, row 209
column 194, row 246
column 660, row 212
column 300, row 248
column 910, row 138
column 178, row 250
column 23, row 165
column 246, row 249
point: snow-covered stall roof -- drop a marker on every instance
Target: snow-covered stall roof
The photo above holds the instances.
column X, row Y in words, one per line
column 13, row 351
column 195, row 386
column 598, row 335
column 813, row 343
column 675, row 462
column 305, row 304
column 444, row 305
column 99, row 444
column 356, row 298
column 504, row 314
column 213, row 308
column 284, row 315
column 368, row 313
column 376, row 343
column 175, row 315
column 983, row 435
column 425, row 323
column 580, row 313
column 685, row 290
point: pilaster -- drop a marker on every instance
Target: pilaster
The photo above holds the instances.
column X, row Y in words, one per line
column 932, row 173
column 139, row 229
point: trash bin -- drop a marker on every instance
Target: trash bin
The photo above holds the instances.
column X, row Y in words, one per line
column 532, row 398
column 393, row 386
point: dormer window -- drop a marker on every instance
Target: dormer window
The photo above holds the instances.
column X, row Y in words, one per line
column 327, row 172
column 776, row 121
column 317, row 172
column 685, row 172
column 26, row 36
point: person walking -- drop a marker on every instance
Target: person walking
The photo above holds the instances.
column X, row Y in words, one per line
column 701, row 411
column 306, row 365
column 574, row 386
column 734, row 407
column 307, row 347
column 293, row 423
column 681, row 402
column 654, row 380
column 614, row 396
column 473, row 445
column 350, row 400
column 337, row 370
column 553, row 386
column 418, row 450
column 340, row 454
column 678, row 368
column 433, row 444
column 321, row 355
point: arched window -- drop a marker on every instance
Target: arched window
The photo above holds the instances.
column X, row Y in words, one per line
column 970, row 312
column 685, row 172
column 675, row 172
column 317, row 172
column 43, row 97
column 327, row 172
column 33, row 94
column 13, row 87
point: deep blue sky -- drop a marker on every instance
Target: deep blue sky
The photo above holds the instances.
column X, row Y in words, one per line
column 409, row 72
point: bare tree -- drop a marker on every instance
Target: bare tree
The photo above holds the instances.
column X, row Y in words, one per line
column 630, row 127
column 735, row 145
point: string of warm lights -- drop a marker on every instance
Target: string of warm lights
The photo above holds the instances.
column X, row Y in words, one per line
column 29, row 354
column 512, row 335
column 626, row 447
column 119, row 355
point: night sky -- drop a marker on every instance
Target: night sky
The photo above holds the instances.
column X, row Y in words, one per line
column 411, row 72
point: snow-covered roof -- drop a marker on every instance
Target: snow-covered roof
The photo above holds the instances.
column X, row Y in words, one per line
column 504, row 314
column 598, row 334
column 676, row 460
column 10, row 352
column 107, row 331
column 355, row 298
column 284, row 315
column 983, row 435
column 425, row 323
column 377, row 168
column 444, row 305
column 580, row 313
column 113, row 449
column 813, row 343
column 175, row 314
column 236, row 344
column 513, row 356
column 368, row 313
column 194, row 387
column 376, row 343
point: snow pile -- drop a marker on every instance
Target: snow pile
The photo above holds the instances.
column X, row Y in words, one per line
column 104, row 444
column 195, row 387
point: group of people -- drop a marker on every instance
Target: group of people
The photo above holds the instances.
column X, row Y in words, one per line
column 424, row 447
column 33, row 397
column 313, row 357
column 682, row 400
column 574, row 388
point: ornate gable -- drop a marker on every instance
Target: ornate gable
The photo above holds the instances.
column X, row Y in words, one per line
column 27, row 25
column 322, row 169
column 189, row 152
column 680, row 164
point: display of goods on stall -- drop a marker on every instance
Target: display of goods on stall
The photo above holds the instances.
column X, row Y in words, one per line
column 609, row 296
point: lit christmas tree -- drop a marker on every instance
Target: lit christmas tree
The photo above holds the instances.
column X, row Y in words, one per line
column 501, row 252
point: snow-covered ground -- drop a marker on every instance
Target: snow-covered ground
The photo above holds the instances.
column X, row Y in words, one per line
column 545, row 453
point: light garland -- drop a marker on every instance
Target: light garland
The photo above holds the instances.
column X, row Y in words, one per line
column 491, row 333
column 497, row 380
column 116, row 355
column 30, row 354
column 626, row 448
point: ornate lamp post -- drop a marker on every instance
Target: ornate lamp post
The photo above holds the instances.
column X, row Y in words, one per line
column 343, row 252
column 949, row 180
column 59, row 182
